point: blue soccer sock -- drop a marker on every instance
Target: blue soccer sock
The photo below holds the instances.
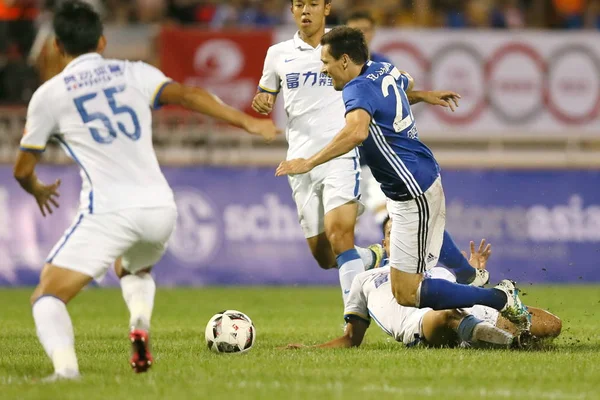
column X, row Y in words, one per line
column 466, row 328
column 349, row 265
column 452, row 258
column 440, row 294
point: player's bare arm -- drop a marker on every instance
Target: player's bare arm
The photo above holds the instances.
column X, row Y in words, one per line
column 354, row 133
column 24, row 172
column 201, row 101
column 354, row 334
column 263, row 102
column 445, row 98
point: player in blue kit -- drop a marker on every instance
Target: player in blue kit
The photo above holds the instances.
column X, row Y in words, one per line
column 379, row 117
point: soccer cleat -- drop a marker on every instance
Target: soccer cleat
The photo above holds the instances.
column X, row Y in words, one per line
column 379, row 253
column 141, row 359
column 482, row 278
column 514, row 310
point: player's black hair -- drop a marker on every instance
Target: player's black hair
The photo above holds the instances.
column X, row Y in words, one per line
column 356, row 15
column 344, row 40
column 384, row 224
column 78, row 27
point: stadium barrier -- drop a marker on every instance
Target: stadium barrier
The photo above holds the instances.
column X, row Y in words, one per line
column 239, row 226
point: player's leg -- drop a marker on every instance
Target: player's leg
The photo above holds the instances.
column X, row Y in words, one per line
column 154, row 228
column 307, row 197
column 52, row 321
column 417, row 234
column 448, row 327
column 342, row 207
column 453, row 259
column 85, row 251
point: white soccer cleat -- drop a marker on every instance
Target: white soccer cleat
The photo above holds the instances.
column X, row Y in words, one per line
column 514, row 310
column 482, row 278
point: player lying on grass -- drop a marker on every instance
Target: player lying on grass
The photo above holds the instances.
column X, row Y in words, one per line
column 371, row 298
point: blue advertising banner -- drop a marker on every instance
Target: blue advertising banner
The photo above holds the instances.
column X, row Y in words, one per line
column 239, row 226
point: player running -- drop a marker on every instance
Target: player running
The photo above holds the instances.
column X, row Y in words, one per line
column 371, row 299
column 379, row 117
column 327, row 198
column 99, row 110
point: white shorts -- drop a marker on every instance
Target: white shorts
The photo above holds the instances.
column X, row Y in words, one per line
column 372, row 195
column 408, row 325
column 323, row 189
column 94, row 241
column 417, row 230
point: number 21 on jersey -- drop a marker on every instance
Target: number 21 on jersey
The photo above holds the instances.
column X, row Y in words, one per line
column 87, row 116
column 391, row 81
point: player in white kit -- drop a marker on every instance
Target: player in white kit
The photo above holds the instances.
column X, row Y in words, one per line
column 371, row 299
column 99, row 110
column 327, row 198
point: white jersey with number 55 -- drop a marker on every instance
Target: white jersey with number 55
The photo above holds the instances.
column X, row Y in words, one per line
column 99, row 110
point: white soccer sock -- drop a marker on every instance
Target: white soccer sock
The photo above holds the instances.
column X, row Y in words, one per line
column 55, row 332
column 367, row 257
column 349, row 265
column 138, row 292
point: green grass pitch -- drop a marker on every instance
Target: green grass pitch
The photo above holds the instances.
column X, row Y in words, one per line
column 380, row 369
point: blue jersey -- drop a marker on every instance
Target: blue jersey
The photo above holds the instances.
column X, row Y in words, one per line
column 379, row 58
column 400, row 162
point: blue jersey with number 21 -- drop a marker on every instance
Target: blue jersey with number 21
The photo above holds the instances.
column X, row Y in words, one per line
column 400, row 162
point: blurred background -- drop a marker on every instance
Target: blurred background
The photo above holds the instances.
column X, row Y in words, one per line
column 520, row 157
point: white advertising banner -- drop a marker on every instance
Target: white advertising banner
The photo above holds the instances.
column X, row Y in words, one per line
column 511, row 83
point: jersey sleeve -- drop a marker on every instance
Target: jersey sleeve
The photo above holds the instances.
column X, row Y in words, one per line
column 270, row 81
column 405, row 79
column 356, row 305
column 151, row 81
column 40, row 124
column 359, row 96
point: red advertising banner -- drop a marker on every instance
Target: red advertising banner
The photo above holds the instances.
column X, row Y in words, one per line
column 227, row 63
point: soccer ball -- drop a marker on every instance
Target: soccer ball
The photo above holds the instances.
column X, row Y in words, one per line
column 230, row 331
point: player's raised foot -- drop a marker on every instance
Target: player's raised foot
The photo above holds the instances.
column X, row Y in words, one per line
column 379, row 254
column 482, row 278
column 62, row 376
column 514, row 310
column 141, row 359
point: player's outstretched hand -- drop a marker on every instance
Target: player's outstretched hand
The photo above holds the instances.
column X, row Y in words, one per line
column 293, row 167
column 46, row 196
column 263, row 103
column 263, row 127
column 478, row 259
column 445, row 98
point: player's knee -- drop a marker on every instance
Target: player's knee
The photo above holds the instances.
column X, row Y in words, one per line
column 340, row 239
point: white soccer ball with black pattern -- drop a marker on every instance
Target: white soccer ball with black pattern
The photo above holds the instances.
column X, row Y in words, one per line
column 230, row 331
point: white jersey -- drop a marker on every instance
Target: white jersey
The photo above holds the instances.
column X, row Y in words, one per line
column 315, row 110
column 371, row 297
column 99, row 110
